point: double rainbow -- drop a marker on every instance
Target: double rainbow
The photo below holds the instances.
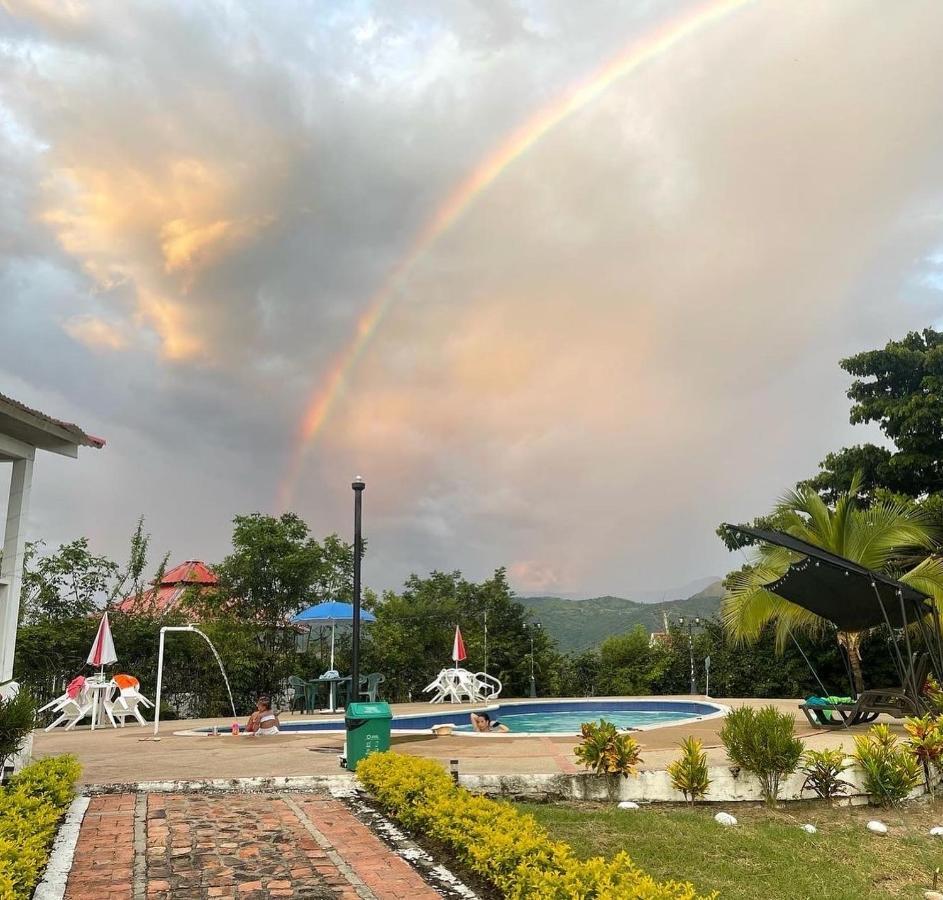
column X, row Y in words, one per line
column 324, row 398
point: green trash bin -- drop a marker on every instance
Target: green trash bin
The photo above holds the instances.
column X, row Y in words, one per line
column 368, row 730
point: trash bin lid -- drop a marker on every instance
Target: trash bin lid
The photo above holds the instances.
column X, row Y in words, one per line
column 377, row 710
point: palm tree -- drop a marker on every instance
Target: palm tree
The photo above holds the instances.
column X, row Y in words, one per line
column 878, row 537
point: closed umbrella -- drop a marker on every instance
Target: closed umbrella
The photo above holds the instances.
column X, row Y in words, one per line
column 458, row 647
column 332, row 613
column 103, row 650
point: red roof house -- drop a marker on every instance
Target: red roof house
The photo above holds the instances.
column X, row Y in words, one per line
column 166, row 596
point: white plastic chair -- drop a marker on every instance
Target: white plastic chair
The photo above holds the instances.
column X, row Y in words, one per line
column 488, row 686
column 458, row 686
column 71, row 710
column 128, row 702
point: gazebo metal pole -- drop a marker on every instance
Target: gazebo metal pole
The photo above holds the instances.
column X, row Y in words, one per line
column 938, row 639
column 911, row 676
column 815, row 674
column 900, row 662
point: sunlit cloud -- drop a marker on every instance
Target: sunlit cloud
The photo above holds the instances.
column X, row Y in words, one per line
column 630, row 333
column 96, row 333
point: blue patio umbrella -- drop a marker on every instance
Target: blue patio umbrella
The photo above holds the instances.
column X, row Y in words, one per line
column 332, row 613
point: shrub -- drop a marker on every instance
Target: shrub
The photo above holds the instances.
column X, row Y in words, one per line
column 934, row 694
column 506, row 848
column 925, row 741
column 763, row 743
column 606, row 751
column 823, row 770
column 689, row 773
column 17, row 716
column 30, row 808
column 891, row 772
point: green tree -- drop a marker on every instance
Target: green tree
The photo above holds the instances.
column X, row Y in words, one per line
column 901, row 389
column 412, row 637
column 629, row 664
column 272, row 571
column 66, row 584
column 877, row 538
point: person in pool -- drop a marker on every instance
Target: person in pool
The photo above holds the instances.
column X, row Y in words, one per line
column 263, row 720
column 481, row 721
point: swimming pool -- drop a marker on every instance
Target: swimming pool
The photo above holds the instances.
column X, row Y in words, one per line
column 538, row 716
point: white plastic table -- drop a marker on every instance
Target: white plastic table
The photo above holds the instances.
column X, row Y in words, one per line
column 101, row 691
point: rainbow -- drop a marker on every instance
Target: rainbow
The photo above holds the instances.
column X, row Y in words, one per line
column 512, row 148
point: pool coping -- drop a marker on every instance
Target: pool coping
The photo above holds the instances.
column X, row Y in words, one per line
column 720, row 710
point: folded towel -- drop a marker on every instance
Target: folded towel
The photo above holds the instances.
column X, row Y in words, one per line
column 75, row 687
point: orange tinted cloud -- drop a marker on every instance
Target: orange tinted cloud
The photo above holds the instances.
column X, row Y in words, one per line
column 96, row 333
column 155, row 230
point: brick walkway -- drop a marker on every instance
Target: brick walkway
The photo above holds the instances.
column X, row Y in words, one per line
column 157, row 846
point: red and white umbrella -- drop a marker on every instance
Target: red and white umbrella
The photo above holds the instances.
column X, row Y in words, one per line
column 458, row 647
column 103, row 650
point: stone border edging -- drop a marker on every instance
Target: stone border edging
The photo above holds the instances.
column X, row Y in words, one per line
column 266, row 783
column 56, row 876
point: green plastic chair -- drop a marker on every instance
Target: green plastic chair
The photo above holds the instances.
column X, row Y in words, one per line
column 299, row 688
column 372, row 682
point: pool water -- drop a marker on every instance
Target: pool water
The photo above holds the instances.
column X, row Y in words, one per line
column 535, row 716
column 570, row 722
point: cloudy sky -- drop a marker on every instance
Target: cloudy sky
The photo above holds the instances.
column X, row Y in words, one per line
column 629, row 334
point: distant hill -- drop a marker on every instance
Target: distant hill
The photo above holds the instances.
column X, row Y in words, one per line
column 581, row 624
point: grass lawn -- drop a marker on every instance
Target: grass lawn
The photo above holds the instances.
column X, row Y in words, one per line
column 767, row 855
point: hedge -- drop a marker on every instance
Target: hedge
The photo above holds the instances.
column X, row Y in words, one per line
column 31, row 806
column 506, row 848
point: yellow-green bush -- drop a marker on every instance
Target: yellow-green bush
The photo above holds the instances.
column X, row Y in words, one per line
column 30, row 808
column 505, row 847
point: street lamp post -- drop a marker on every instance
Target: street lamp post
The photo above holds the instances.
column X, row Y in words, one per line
column 358, row 487
column 691, row 626
column 532, row 628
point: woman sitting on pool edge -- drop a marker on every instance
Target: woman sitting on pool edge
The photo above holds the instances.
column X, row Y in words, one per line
column 263, row 720
column 481, row 722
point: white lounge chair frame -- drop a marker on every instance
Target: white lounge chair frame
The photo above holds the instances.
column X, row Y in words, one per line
column 128, row 703
column 462, row 686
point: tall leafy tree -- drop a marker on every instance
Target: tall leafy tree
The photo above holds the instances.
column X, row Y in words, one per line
column 877, row 537
column 65, row 584
column 273, row 569
column 412, row 637
column 630, row 664
column 900, row 388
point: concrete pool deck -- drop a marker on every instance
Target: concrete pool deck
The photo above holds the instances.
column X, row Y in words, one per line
column 129, row 756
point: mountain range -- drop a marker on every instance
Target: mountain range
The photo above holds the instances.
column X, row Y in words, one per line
column 581, row 624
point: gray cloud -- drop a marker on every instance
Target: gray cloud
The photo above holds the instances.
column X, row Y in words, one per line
column 630, row 335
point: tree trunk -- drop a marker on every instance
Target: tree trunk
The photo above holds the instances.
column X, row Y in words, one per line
column 851, row 641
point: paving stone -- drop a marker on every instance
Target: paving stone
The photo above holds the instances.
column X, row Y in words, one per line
column 243, row 846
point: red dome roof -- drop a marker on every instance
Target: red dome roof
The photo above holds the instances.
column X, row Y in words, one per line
column 167, row 595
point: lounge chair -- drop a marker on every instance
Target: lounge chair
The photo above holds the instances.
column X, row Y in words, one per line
column 899, row 702
column 461, row 686
column 128, row 703
column 71, row 710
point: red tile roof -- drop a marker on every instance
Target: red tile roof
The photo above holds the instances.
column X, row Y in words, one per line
column 167, row 595
column 74, row 432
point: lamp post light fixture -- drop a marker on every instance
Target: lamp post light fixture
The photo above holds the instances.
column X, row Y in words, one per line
column 692, row 624
column 358, row 488
column 532, row 627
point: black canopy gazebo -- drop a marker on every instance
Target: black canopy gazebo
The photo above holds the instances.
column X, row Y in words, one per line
column 855, row 599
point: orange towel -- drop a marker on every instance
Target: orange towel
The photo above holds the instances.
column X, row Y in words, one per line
column 126, row 681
